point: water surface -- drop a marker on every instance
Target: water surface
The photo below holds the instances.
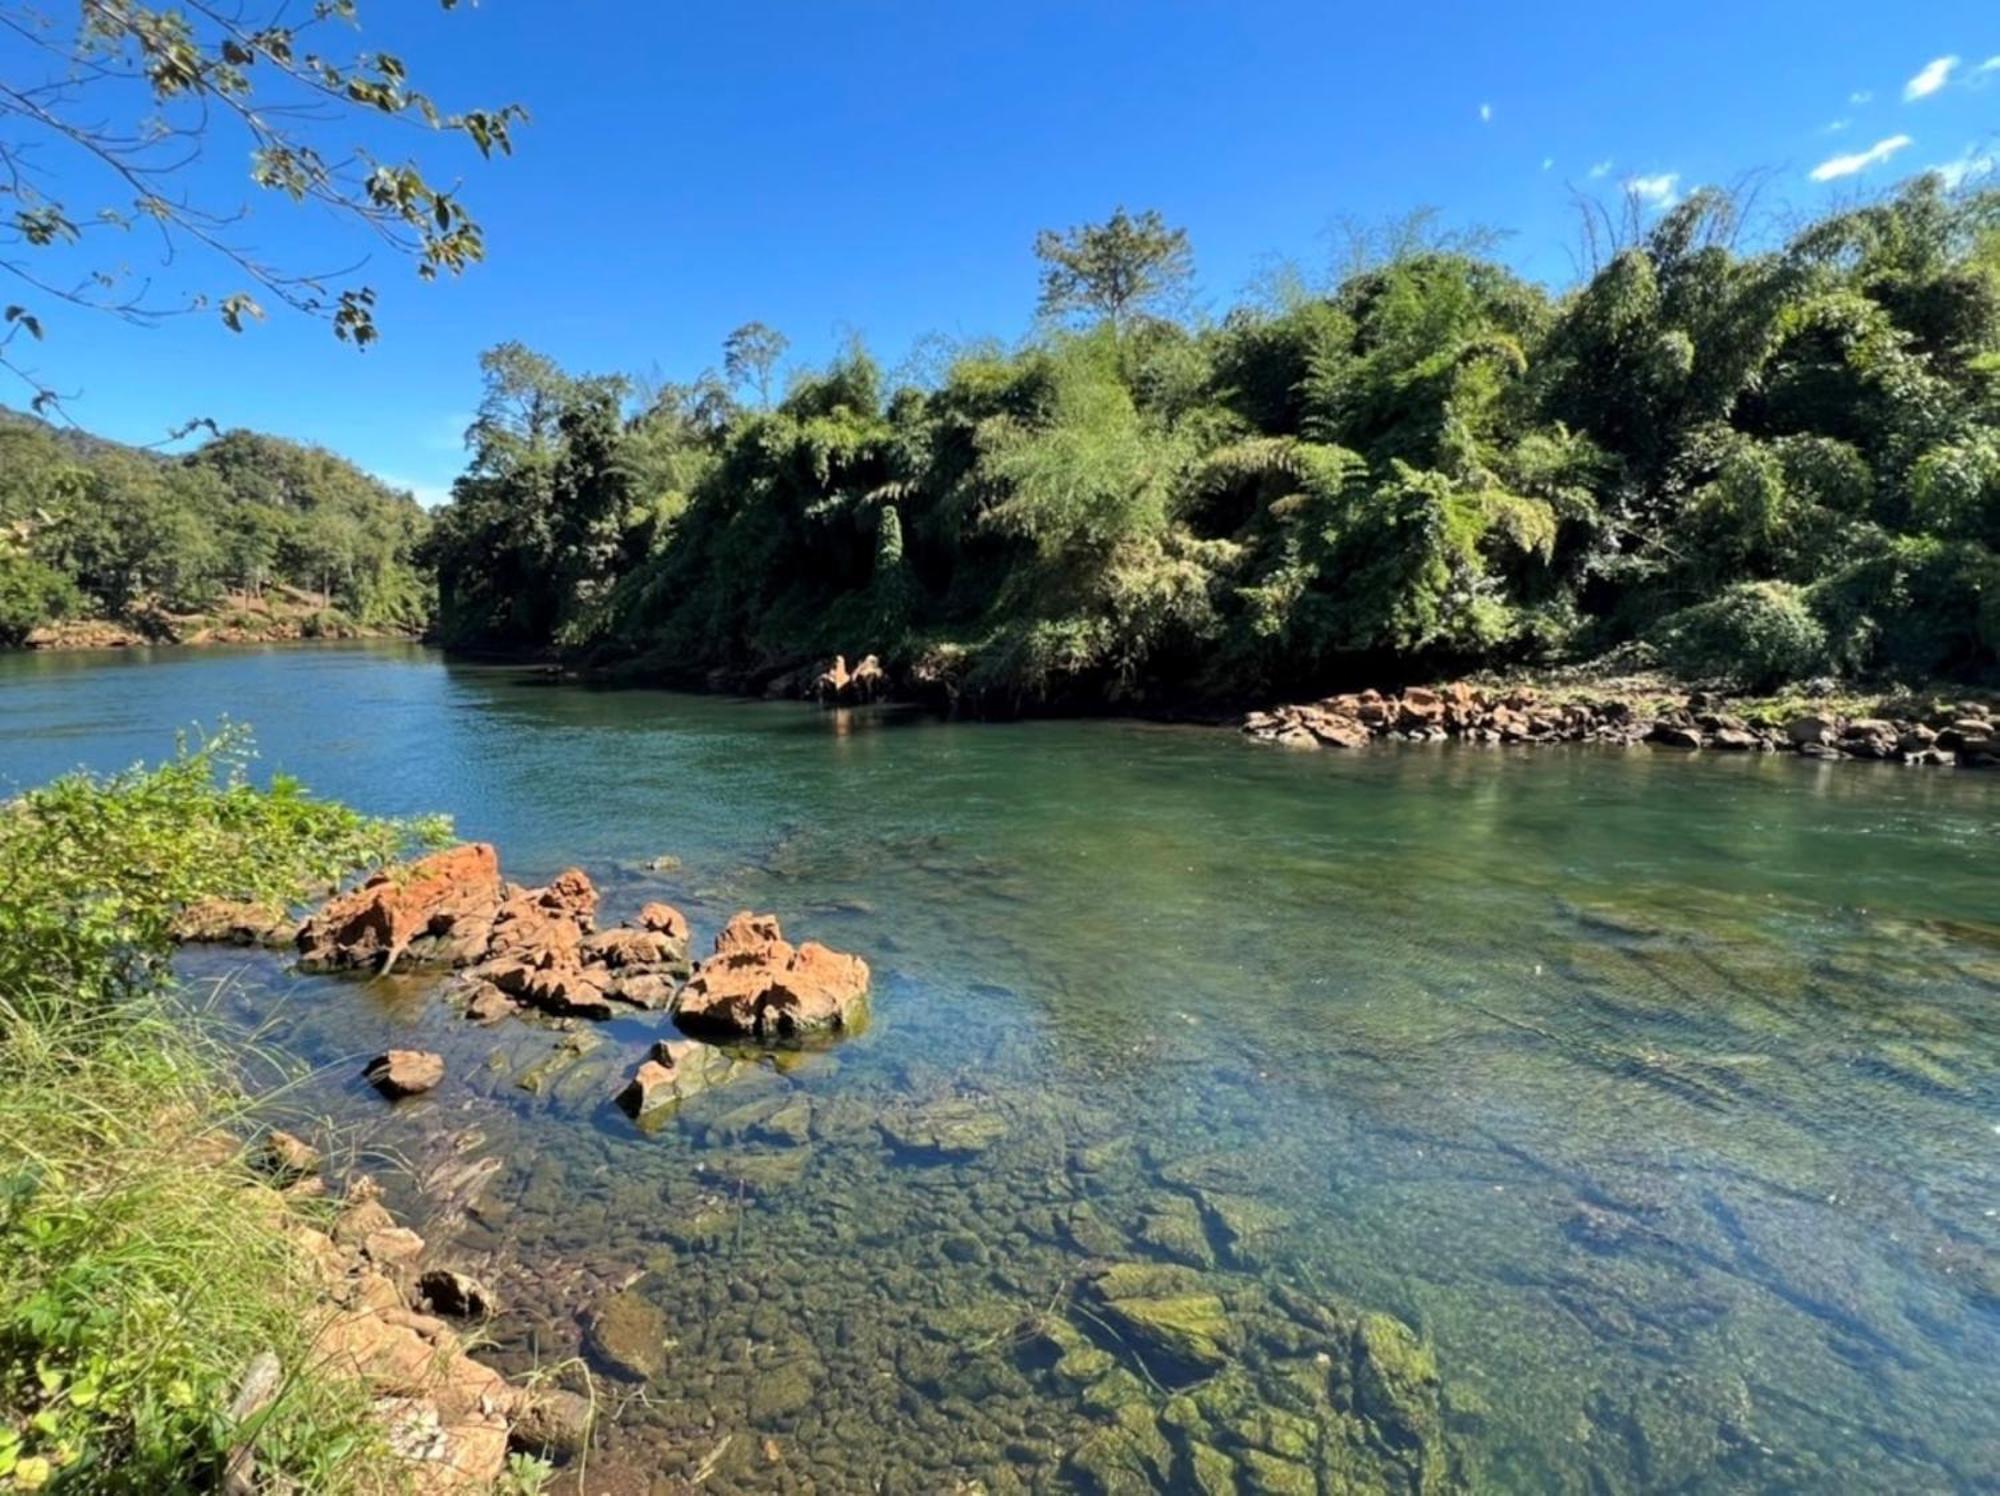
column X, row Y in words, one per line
column 1656, row 1093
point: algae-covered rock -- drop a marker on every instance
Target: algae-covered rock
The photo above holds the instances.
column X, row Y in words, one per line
column 1172, row 1227
column 1268, row 1475
column 1131, row 1455
column 952, row 1130
column 1210, row 1472
column 628, row 1333
column 1246, row 1228
column 1168, row 1314
column 1396, row 1385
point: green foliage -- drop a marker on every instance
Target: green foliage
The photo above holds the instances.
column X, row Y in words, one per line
column 142, row 1268
column 1756, row 634
column 1128, row 264
column 31, row 594
column 1433, row 466
column 130, row 533
column 130, row 97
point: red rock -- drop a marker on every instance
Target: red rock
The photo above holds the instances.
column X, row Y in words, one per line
column 621, row 948
column 405, row 1072
column 372, row 925
column 758, row 984
column 666, row 920
column 747, row 932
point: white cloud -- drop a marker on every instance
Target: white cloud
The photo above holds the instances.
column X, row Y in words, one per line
column 1991, row 65
column 1974, row 163
column 1601, row 170
column 1485, row 114
column 1847, row 166
column 1936, row 73
column 1861, row 96
column 1548, row 163
column 430, row 495
column 1659, row 190
column 1836, row 126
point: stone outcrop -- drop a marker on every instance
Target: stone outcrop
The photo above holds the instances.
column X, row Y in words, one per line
column 405, row 1072
column 234, row 922
column 516, row 947
column 675, row 1070
column 433, row 899
column 1966, row 734
column 447, row 1416
column 837, row 685
column 758, row 985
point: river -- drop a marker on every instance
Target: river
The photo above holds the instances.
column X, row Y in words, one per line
column 1655, row 1093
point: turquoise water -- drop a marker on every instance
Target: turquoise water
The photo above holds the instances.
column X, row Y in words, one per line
column 1655, row 1093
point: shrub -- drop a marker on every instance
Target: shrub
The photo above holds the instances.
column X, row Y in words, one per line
column 1757, row 634
column 31, row 595
column 142, row 1268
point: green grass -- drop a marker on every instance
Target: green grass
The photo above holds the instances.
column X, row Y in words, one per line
column 143, row 1265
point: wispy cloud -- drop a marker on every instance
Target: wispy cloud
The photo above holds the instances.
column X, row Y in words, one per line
column 1937, row 72
column 1601, row 170
column 1861, row 96
column 1970, row 166
column 1548, row 163
column 430, row 495
column 1834, row 127
column 1658, row 190
column 1847, row 166
column 1485, row 114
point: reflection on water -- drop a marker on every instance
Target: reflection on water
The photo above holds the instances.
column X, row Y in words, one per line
column 1657, row 1095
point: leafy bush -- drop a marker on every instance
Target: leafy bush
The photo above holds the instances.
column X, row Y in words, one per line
column 31, row 595
column 1756, row 634
column 142, row 1268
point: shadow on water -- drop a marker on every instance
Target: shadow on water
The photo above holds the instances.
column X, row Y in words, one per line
column 1656, row 1094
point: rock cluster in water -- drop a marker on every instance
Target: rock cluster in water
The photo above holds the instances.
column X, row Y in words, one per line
column 540, row 948
column 1965, row 734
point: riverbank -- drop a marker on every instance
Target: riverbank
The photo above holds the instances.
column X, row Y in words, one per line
column 181, row 1305
column 281, row 615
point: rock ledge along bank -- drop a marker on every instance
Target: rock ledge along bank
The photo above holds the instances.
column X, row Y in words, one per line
column 1967, row 734
column 382, row 1321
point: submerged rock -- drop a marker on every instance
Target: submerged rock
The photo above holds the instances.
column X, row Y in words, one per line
column 405, row 1072
column 457, row 1294
column 673, row 1071
column 628, row 1333
column 757, row 984
column 957, row 1129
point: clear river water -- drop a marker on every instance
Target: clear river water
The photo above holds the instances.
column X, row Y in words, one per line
column 1655, row 1094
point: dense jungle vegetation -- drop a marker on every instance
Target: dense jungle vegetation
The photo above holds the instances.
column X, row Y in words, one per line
column 1762, row 466
column 93, row 529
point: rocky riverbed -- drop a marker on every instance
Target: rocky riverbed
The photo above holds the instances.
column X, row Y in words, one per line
column 1964, row 733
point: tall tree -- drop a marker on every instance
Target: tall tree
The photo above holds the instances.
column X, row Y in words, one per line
column 749, row 354
column 101, row 133
column 1113, row 270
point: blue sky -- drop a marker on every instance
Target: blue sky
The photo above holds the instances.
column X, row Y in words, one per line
column 881, row 169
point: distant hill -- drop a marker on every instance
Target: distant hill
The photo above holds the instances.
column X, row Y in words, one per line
column 247, row 535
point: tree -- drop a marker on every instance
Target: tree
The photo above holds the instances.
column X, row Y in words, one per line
column 1113, row 269
column 748, row 356
column 101, row 138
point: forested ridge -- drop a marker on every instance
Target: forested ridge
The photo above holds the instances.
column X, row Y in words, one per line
column 91, row 529
column 1751, row 466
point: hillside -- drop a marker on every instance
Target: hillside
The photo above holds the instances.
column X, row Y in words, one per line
column 248, row 536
